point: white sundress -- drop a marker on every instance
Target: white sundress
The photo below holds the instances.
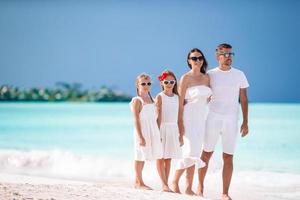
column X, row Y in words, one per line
column 194, row 118
column 150, row 131
column 169, row 127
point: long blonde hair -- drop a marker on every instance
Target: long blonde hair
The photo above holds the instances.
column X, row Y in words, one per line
column 145, row 76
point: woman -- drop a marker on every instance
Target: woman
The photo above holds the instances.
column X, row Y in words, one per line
column 194, row 93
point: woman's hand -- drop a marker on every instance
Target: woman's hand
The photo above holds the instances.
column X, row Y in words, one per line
column 209, row 99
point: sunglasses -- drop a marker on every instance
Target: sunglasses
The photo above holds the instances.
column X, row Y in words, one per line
column 227, row 55
column 169, row 82
column 144, row 84
column 200, row 58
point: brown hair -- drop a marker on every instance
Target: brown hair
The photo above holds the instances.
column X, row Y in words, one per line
column 146, row 76
column 223, row 45
column 204, row 65
column 168, row 73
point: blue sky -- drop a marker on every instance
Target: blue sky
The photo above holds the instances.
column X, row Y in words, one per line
column 110, row 42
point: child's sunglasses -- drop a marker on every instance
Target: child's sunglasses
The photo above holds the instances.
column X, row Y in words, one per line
column 144, row 84
column 166, row 82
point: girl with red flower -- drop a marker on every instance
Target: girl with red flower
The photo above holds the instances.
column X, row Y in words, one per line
column 167, row 104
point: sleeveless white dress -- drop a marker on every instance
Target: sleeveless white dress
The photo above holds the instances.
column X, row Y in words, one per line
column 150, row 131
column 194, row 116
column 169, row 127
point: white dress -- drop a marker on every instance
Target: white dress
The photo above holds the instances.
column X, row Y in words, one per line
column 150, row 131
column 194, row 117
column 169, row 127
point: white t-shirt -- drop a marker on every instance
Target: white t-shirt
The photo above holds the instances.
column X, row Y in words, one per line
column 226, row 86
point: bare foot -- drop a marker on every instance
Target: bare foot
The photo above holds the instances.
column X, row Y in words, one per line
column 142, row 187
column 226, row 197
column 189, row 192
column 200, row 194
column 199, row 191
column 166, row 188
column 175, row 188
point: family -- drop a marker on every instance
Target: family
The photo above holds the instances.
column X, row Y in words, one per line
column 186, row 119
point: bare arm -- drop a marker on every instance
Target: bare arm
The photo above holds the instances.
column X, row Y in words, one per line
column 181, row 91
column 158, row 109
column 244, row 104
column 208, row 85
column 137, row 106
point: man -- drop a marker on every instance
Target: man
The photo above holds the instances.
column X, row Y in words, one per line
column 228, row 85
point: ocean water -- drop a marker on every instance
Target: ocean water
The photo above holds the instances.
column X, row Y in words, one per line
column 94, row 141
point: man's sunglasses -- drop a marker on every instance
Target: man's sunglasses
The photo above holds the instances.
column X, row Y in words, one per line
column 200, row 58
column 144, row 84
column 227, row 55
column 169, row 82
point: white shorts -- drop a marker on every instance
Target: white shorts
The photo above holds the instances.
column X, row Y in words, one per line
column 225, row 126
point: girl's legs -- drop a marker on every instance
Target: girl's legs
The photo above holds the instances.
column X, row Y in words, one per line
column 139, row 183
column 162, row 175
column 167, row 163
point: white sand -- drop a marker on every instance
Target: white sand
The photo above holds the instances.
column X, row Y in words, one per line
column 20, row 187
column 37, row 188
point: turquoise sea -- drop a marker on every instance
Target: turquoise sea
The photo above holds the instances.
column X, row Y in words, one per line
column 95, row 140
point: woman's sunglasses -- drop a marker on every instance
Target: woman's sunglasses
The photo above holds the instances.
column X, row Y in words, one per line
column 144, row 84
column 200, row 58
column 169, row 82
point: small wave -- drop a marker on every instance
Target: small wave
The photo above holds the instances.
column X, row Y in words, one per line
column 64, row 164
column 68, row 165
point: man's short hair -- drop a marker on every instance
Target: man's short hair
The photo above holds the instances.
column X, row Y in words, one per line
column 223, row 46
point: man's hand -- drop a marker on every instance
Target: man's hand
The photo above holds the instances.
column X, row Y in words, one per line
column 244, row 129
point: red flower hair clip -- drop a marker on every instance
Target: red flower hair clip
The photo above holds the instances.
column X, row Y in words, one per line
column 163, row 76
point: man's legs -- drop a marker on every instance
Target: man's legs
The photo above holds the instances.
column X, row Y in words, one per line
column 227, row 174
column 229, row 140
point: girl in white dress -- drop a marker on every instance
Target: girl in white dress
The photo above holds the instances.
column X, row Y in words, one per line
column 194, row 93
column 147, row 139
column 167, row 104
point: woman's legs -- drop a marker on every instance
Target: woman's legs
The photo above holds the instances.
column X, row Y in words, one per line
column 205, row 156
column 175, row 182
column 189, row 180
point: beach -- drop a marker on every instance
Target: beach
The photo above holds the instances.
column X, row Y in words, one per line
column 39, row 188
column 84, row 151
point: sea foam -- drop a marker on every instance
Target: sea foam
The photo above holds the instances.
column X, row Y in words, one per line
column 64, row 164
